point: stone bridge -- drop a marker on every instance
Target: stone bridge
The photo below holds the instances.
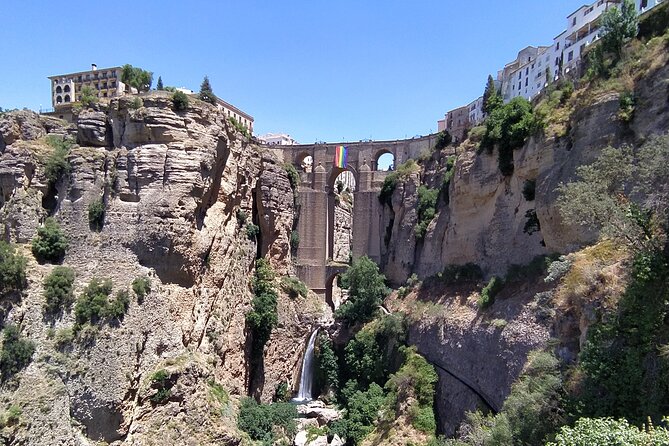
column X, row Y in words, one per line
column 317, row 202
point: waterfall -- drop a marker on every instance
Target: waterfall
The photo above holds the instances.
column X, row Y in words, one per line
column 304, row 393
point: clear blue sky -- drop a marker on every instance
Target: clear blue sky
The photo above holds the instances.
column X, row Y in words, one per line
column 327, row 70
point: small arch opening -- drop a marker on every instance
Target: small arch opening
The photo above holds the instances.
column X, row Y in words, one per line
column 305, row 163
column 59, row 89
column 385, row 161
column 67, row 98
column 59, row 100
column 66, row 89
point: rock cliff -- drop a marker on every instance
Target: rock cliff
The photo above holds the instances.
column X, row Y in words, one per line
column 174, row 185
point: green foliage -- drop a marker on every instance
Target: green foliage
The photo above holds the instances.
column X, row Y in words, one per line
column 508, row 127
column 93, row 302
column 491, row 97
column 294, row 240
column 404, row 170
column 623, row 372
column 448, row 176
column 136, row 103
column 609, row 432
column 137, row 78
column 12, row 269
column 96, row 214
column 161, row 381
column 282, row 392
column 619, row 25
column 367, row 289
column 427, row 209
column 241, row 128
column 179, row 101
column 11, row 417
column 206, row 93
column 118, row 306
column 58, row 289
column 294, row 287
column 159, row 84
column 267, row 422
column 489, row 292
column 17, row 352
column 361, row 411
column 529, row 189
column 538, row 266
column 327, row 368
column 56, row 165
column 63, row 337
column 532, row 223
column 252, row 231
column 293, row 176
column 263, row 316
column 141, row 286
column 444, row 139
column 531, row 413
column 88, row 97
column 422, row 418
column 50, row 243
column 242, row 217
column 627, row 106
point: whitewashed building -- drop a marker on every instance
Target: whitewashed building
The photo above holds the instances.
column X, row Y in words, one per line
column 278, row 139
column 476, row 111
column 526, row 75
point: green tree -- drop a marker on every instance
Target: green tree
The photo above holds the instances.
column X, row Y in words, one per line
column 93, row 302
column 179, row 100
column 50, row 243
column 159, row 84
column 137, row 78
column 367, row 289
column 56, row 165
column 491, row 97
column 206, row 93
column 12, row 269
column 267, row 422
column 58, row 289
column 96, row 214
column 88, row 96
column 263, row 316
column 619, row 25
column 17, row 352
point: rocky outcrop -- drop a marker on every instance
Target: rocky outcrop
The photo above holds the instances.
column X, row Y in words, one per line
column 172, row 183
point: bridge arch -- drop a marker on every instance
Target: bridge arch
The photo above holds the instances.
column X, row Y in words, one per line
column 384, row 160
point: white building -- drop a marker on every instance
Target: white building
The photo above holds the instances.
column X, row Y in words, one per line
column 277, row 139
column 476, row 111
column 525, row 76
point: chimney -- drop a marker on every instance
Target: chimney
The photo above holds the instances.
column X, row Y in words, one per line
column 94, row 67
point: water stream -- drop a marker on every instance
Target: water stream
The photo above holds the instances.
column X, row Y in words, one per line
column 304, row 393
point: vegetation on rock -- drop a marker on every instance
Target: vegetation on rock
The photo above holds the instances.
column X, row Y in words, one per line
column 206, row 93
column 263, row 316
column 136, row 77
column 96, row 214
column 58, row 289
column 367, row 289
column 50, row 243
column 179, row 101
column 56, row 165
column 12, row 269
column 17, row 352
column 294, row 287
column 267, row 423
column 426, row 209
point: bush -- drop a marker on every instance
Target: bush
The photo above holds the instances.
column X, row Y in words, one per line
column 489, row 292
column 390, row 182
column 50, row 244
column 448, row 176
column 529, row 188
column 361, row 412
column 609, row 432
column 162, row 383
column 242, row 217
column 293, row 176
column 367, row 289
column 89, row 97
column 327, row 368
column 263, row 422
column 294, row 287
column 558, row 268
column 263, row 316
column 11, row 417
column 241, row 128
column 58, row 289
column 12, row 269
column 508, row 127
column 63, row 338
column 17, row 352
column 93, row 302
column 469, row 272
column 627, row 106
column 422, row 418
column 136, row 77
column 427, row 208
column 117, row 307
column 179, row 101
column 96, row 214
column 141, row 286
column 532, row 223
column 252, row 231
column 536, row 267
column 136, row 103
column 444, row 139
column 56, row 165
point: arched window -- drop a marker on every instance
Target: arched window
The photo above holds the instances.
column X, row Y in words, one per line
column 59, row 90
column 67, row 98
column 59, row 100
column 66, row 89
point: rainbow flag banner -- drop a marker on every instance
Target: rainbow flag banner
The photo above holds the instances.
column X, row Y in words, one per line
column 341, row 156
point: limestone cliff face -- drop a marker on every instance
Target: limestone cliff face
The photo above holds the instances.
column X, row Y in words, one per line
column 172, row 184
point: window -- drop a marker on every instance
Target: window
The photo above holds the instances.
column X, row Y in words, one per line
column 67, row 98
column 526, row 81
column 79, row 78
column 558, row 46
column 66, row 89
column 533, row 66
column 573, row 22
column 113, row 73
column 527, row 71
column 97, row 86
column 520, row 85
column 520, row 75
column 571, row 56
column 58, row 89
column 59, row 100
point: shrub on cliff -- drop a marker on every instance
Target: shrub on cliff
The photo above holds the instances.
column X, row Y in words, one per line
column 489, row 292
column 17, row 352
column 427, row 208
column 610, row 432
column 96, row 214
column 403, row 171
column 294, row 287
column 141, row 286
column 367, row 289
column 179, row 101
column 58, row 289
column 56, row 165
column 92, row 304
column 50, row 243
column 361, row 412
column 12, row 269
column 136, row 77
column 263, row 316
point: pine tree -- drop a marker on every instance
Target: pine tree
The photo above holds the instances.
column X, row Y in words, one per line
column 159, row 85
column 206, row 93
column 491, row 98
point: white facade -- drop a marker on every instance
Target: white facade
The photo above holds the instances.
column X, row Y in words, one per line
column 277, row 139
column 476, row 111
column 525, row 76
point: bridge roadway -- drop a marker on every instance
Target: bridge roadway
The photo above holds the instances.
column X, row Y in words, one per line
column 316, row 201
